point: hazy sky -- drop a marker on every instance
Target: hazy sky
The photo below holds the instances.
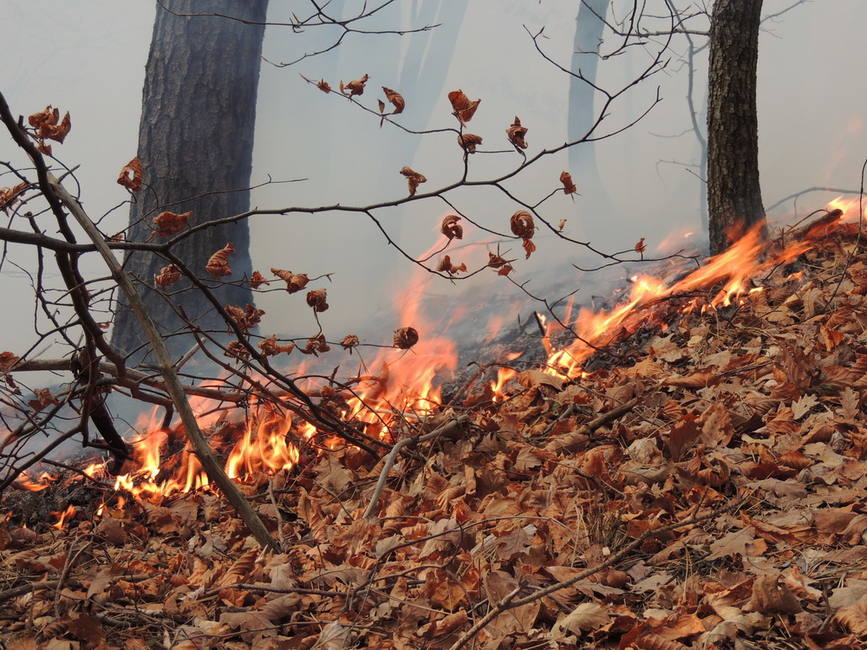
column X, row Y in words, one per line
column 89, row 58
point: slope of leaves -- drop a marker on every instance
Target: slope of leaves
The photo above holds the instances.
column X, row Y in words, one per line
column 706, row 492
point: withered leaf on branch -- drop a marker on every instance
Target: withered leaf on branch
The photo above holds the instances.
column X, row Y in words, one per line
column 269, row 347
column 516, row 134
column 315, row 344
column 294, row 281
column 522, row 224
column 568, row 185
column 469, row 141
column 168, row 275
column 7, row 361
column 396, row 100
column 451, row 228
column 405, row 337
column 413, row 179
column 354, row 87
column 349, row 341
column 131, row 175
column 500, row 264
column 529, row 247
column 640, row 247
column 317, row 299
column 463, row 108
column 48, row 124
column 257, row 280
column 561, row 225
column 218, row 264
column 324, row 86
column 170, row 223
column 236, row 350
column 43, row 398
column 246, row 318
column 447, row 266
column 9, row 194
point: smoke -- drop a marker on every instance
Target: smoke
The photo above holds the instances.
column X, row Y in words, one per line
column 90, row 60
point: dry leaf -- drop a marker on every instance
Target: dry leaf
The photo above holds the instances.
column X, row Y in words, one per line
column 170, row 223
column 131, row 175
column 294, row 281
column 640, row 247
column 317, row 299
column 396, row 100
column 447, row 266
column 349, row 341
column 9, row 194
column 355, row 87
column 218, row 263
column 463, row 108
column 7, row 361
column 413, row 179
column 469, row 141
column 568, row 185
column 772, row 596
column 257, row 280
column 246, row 318
column 405, row 338
column 451, row 228
column 269, row 347
column 516, row 134
column 168, row 275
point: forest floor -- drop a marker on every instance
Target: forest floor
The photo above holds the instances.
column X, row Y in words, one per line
column 704, row 488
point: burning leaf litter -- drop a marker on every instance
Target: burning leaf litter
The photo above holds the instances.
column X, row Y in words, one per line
column 705, row 489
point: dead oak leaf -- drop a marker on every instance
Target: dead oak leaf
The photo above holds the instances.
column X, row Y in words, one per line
column 294, row 281
column 167, row 276
column 170, row 223
column 469, row 141
column 516, row 134
column 463, row 108
column 131, row 175
column 413, row 179
column 405, row 337
column 451, row 228
column 218, row 263
column 354, row 87
column 317, row 299
column 568, row 185
column 396, row 100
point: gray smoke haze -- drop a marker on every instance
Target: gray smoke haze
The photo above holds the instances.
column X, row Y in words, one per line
column 89, row 58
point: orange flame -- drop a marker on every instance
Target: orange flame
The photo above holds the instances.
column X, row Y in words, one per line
column 63, row 517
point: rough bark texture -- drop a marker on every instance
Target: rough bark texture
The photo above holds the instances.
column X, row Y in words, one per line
column 195, row 139
column 734, row 194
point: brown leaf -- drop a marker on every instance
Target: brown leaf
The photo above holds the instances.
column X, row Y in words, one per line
column 131, row 175
column 48, row 124
column 584, row 618
column 168, row 275
column 640, row 247
column 396, row 100
column 317, row 299
column 853, row 617
column 568, row 185
column 463, row 108
column 246, row 318
column 516, row 134
column 269, row 347
column 469, row 141
column 772, row 596
column 451, row 228
column 522, row 224
column 257, row 280
column 323, row 85
column 683, row 435
column 237, row 350
column 169, row 223
column 405, row 337
column 447, row 266
column 294, row 281
column 349, row 341
column 315, row 344
column 9, row 194
column 561, row 225
column 413, row 179
column 43, row 398
column 218, row 263
column 354, row 87
column 7, row 361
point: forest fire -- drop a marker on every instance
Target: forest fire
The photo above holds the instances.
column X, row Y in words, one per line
column 399, row 387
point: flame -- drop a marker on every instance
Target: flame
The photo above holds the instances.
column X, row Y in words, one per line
column 69, row 513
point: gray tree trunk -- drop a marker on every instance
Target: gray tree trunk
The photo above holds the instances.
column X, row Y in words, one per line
column 588, row 38
column 195, row 145
column 734, row 193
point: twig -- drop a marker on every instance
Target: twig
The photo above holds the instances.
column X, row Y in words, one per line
column 448, row 427
column 566, row 441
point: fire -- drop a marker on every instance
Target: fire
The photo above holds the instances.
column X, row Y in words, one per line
column 67, row 514
column 398, row 388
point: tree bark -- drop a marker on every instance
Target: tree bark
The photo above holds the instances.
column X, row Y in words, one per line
column 196, row 146
column 589, row 26
column 734, row 193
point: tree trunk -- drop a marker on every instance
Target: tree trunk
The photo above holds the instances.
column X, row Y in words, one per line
column 196, row 146
column 734, row 193
column 589, row 26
